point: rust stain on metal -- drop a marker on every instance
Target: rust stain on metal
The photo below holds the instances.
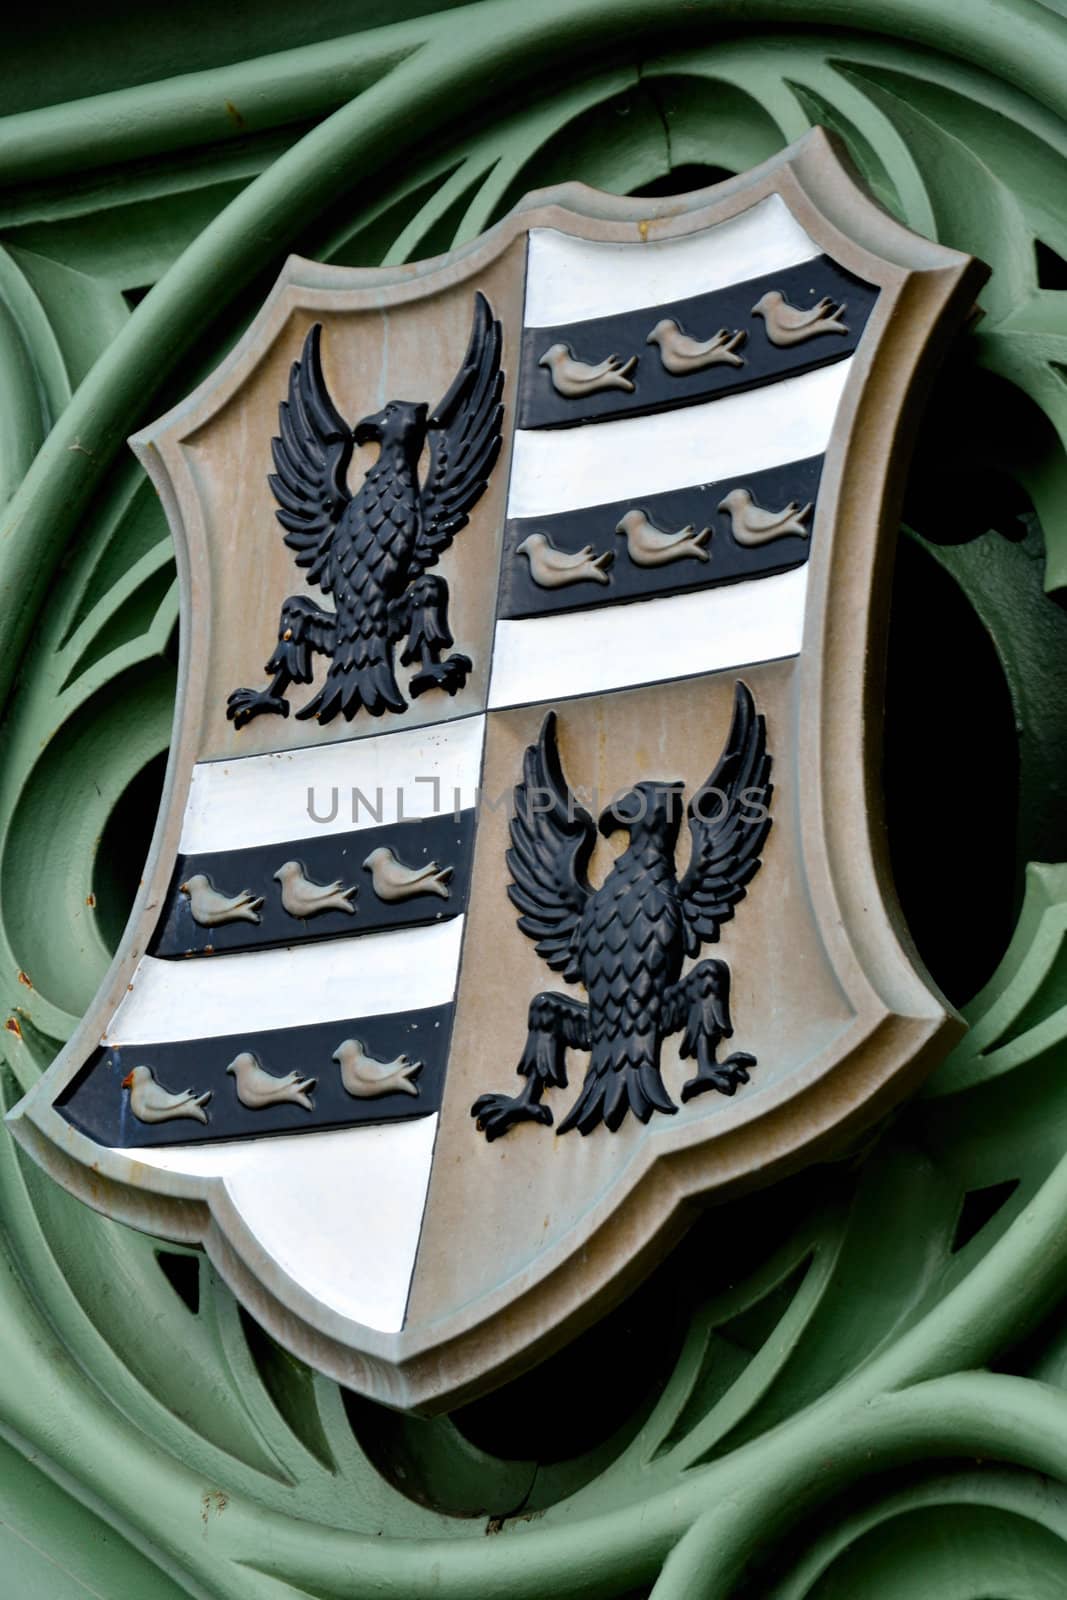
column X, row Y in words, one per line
column 215, row 1500
column 234, row 115
column 13, row 1026
column 24, row 979
column 90, row 900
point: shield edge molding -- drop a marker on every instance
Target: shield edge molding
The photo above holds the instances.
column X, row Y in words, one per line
column 901, row 1024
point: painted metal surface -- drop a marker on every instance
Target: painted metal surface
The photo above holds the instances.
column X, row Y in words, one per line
column 288, row 987
column 575, row 279
column 842, row 1451
column 258, row 800
column 591, row 651
column 377, row 1173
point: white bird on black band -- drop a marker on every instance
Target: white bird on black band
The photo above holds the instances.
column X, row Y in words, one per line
column 392, row 880
column 573, row 378
column 551, row 568
column 788, row 325
column 649, row 546
column 365, row 1077
column 302, row 897
column 257, row 1088
column 150, row 1102
column 752, row 526
column 210, row 907
column 681, row 355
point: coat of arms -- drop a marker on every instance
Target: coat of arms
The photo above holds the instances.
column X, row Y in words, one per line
column 516, row 882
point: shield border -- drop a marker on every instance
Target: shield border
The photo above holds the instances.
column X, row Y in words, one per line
column 901, row 1024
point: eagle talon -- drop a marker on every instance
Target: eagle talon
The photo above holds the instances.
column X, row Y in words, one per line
column 725, row 1076
column 449, row 675
column 497, row 1114
column 244, row 704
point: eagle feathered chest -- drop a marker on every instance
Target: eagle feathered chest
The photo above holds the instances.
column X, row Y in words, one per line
column 631, row 942
column 376, row 536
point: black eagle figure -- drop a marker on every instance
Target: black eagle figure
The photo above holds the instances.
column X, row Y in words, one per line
column 370, row 551
column 626, row 941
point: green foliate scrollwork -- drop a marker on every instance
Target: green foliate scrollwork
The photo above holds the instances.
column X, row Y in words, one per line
column 817, row 1382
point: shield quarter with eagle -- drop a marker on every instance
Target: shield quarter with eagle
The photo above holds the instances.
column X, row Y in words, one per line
column 516, row 883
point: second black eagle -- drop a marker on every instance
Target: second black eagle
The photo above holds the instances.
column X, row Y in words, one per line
column 626, row 941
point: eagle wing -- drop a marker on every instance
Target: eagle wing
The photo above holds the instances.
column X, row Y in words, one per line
column 552, row 839
column 729, row 819
column 464, row 440
column 312, row 454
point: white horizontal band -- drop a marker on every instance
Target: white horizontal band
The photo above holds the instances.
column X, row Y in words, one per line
column 564, row 469
column 290, row 794
column 339, row 1213
column 571, row 279
column 622, row 647
column 373, row 974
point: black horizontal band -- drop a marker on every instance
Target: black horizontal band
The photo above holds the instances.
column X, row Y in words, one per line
column 98, row 1106
column 446, row 839
column 730, row 562
column 700, row 316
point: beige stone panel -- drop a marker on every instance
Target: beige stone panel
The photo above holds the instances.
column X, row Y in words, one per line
column 494, row 1209
column 243, row 570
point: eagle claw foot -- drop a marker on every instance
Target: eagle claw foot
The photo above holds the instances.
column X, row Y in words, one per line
column 244, row 704
column 449, row 675
column 725, row 1076
column 497, row 1114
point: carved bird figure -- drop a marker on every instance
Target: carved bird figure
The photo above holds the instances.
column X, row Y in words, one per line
column 370, row 551
column 787, row 324
column 151, row 1102
column 257, row 1088
column 752, row 526
column 210, row 907
column 625, row 941
column 365, row 1077
column 392, row 880
column 551, row 568
column 303, row 897
column 681, row 355
column 649, row 546
column 573, row 378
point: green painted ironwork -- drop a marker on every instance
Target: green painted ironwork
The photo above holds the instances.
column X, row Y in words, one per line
column 858, row 1386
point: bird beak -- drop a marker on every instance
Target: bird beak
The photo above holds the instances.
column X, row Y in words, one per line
column 127, row 1082
column 369, row 430
column 610, row 821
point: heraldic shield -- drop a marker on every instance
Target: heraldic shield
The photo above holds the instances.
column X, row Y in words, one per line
column 519, row 881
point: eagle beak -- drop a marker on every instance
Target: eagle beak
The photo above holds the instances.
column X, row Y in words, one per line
column 610, row 821
column 369, row 430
